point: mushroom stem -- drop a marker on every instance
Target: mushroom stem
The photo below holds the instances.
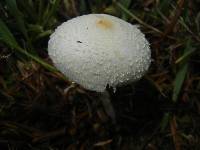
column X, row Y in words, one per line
column 108, row 107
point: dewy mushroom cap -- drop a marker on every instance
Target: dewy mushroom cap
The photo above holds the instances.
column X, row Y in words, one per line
column 97, row 50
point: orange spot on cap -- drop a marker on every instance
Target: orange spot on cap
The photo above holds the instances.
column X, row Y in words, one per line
column 104, row 23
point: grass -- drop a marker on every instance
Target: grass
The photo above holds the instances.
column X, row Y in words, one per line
column 161, row 111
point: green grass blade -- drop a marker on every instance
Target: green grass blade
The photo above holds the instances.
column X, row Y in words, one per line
column 125, row 3
column 185, row 55
column 37, row 59
column 164, row 5
column 15, row 12
column 165, row 121
column 83, row 7
column 40, row 11
column 197, row 21
column 43, row 34
column 29, row 10
column 7, row 37
column 181, row 74
column 50, row 12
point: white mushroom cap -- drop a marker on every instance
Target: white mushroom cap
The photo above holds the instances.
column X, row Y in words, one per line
column 97, row 50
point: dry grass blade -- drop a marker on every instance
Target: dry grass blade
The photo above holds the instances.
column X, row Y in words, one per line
column 176, row 138
column 175, row 18
column 137, row 19
column 49, row 135
column 102, row 143
column 185, row 56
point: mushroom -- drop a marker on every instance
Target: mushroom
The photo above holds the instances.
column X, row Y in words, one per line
column 97, row 50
